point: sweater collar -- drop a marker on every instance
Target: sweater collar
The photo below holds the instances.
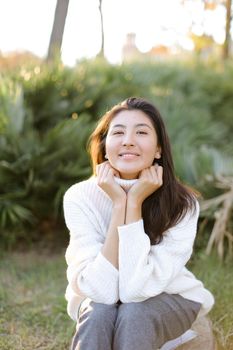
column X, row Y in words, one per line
column 125, row 184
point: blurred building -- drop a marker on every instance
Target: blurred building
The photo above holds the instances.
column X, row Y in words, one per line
column 203, row 46
column 130, row 52
column 159, row 52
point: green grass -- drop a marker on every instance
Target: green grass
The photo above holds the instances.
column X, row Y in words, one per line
column 33, row 308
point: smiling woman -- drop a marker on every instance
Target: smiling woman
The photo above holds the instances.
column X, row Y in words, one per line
column 132, row 228
column 131, row 143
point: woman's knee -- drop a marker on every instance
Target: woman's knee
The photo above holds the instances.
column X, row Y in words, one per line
column 95, row 326
column 98, row 313
column 131, row 311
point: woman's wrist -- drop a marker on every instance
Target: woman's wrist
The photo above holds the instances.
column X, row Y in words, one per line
column 134, row 201
column 133, row 212
column 119, row 204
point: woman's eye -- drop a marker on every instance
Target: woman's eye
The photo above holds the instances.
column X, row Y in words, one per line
column 118, row 133
column 140, row 132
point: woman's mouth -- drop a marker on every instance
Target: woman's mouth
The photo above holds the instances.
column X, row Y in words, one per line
column 128, row 155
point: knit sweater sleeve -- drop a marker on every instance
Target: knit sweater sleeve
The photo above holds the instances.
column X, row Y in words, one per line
column 146, row 270
column 89, row 273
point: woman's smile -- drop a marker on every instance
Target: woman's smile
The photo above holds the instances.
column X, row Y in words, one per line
column 129, row 156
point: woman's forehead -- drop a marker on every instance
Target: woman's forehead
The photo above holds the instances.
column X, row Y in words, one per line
column 131, row 118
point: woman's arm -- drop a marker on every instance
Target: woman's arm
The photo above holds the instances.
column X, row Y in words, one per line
column 145, row 270
column 110, row 247
column 105, row 180
column 92, row 260
column 89, row 273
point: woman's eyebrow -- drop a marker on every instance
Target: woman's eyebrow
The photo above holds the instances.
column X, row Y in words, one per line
column 136, row 126
column 143, row 124
column 119, row 126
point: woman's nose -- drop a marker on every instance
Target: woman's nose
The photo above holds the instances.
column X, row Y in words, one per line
column 128, row 139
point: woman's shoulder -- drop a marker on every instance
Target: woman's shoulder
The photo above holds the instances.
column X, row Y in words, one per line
column 81, row 189
column 194, row 205
column 190, row 215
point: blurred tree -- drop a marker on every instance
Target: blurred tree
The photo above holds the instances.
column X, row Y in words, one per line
column 101, row 53
column 202, row 43
column 226, row 45
column 211, row 5
column 58, row 29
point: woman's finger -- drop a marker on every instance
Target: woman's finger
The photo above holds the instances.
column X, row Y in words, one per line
column 160, row 174
column 154, row 175
column 105, row 170
column 100, row 169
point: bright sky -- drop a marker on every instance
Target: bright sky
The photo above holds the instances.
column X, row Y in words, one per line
column 27, row 24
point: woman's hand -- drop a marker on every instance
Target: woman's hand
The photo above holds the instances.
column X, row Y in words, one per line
column 105, row 179
column 150, row 180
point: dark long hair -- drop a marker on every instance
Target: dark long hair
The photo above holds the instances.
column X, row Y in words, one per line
column 166, row 206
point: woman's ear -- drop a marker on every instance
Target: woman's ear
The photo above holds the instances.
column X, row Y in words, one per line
column 158, row 153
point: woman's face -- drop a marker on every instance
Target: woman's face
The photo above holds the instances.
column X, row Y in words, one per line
column 131, row 143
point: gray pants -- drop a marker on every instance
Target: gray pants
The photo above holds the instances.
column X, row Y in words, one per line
column 146, row 325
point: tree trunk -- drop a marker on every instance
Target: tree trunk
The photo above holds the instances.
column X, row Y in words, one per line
column 56, row 37
column 226, row 45
column 101, row 53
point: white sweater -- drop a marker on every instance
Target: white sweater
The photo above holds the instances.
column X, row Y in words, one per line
column 145, row 270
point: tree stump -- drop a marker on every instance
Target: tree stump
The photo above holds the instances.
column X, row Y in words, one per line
column 205, row 339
